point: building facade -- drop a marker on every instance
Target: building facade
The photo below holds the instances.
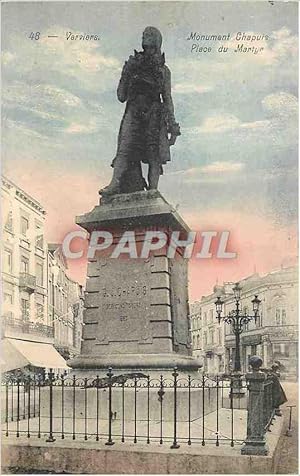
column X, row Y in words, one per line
column 24, row 259
column 274, row 335
column 65, row 305
column 27, row 335
column 208, row 335
column 196, row 330
column 41, row 307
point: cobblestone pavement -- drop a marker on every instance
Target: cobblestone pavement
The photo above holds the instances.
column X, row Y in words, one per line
column 288, row 446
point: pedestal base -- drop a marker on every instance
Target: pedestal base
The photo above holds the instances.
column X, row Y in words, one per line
column 136, row 362
column 255, row 449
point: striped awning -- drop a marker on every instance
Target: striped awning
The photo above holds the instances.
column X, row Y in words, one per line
column 17, row 353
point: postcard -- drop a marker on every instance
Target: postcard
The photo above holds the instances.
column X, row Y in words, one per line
column 149, row 239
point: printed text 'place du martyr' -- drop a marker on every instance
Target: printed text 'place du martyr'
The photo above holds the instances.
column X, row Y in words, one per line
column 246, row 42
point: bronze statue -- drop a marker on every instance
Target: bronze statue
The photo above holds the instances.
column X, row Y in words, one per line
column 148, row 127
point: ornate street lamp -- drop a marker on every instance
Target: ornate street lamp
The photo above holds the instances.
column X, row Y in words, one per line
column 237, row 320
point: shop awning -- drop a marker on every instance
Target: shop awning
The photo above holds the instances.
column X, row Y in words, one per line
column 18, row 353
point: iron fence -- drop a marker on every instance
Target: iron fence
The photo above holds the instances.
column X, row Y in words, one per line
column 268, row 406
column 138, row 408
column 135, row 407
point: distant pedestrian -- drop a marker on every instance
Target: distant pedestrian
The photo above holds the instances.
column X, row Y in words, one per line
column 278, row 394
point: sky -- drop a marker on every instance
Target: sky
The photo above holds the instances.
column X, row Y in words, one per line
column 233, row 168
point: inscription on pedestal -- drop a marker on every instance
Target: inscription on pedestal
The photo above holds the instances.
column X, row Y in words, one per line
column 124, row 298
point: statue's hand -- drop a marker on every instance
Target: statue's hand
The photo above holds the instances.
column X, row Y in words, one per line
column 131, row 65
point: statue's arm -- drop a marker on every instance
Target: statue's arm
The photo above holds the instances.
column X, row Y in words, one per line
column 173, row 126
column 122, row 91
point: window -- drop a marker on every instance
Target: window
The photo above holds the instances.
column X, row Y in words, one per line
column 198, row 342
column 205, row 318
column 39, row 240
column 24, row 225
column 8, row 298
column 280, row 316
column 39, row 310
column 280, row 350
column 76, row 309
column 253, row 349
column 220, row 336
column 212, row 337
column 39, row 274
column 24, row 264
column 25, row 309
column 283, row 316
column 9, row 221
column 205, row 338
column 259, row 319
column 7, row 305
column 7, row 261
column 211, row 315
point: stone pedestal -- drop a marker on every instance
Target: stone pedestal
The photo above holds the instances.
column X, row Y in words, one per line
column 255, row 443
column 136, row 310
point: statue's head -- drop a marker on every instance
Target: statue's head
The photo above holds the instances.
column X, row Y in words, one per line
column 152, row 40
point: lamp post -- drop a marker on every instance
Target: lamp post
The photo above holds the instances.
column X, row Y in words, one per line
column 237, row 319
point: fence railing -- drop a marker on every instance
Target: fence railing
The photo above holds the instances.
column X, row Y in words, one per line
column 176, row 409
column 133, row 407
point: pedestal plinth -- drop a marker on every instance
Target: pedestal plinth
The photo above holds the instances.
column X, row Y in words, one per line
column 136, row 310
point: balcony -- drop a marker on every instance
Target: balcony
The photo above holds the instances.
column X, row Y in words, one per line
column 27, row 282
column 27, row 327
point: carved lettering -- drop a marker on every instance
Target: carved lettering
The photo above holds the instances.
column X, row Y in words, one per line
column 133, row 290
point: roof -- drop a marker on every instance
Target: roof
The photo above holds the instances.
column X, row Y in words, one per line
column 281, row 276
column 23, row 195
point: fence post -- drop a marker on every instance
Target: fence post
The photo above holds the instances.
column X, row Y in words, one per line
column 175, row 445
column 289, row 430
column 50, row 439
column 109, row 374
column 255, row 443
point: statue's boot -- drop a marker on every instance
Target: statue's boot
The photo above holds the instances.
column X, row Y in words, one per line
column 153, row 176
column 114, row 187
